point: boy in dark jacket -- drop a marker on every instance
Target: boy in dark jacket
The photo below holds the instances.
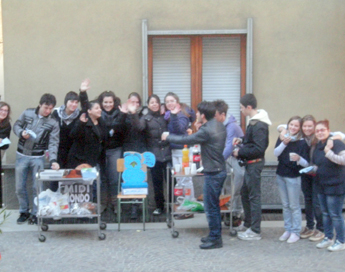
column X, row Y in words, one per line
column 252, row 154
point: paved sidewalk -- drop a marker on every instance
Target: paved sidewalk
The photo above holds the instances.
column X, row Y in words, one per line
column 77, row 248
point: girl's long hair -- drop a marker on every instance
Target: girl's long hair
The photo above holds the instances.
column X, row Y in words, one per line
column 312, row 138
column 299, row 134
column 7, row 120
column 184, row 106
column 117, row 101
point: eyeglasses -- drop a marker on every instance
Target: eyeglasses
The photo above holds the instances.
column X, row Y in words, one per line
column 2, row 110
column 320, row 130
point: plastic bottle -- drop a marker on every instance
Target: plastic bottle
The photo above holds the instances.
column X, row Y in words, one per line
column 178, row 189
column 188, row 188
column 196, row 156
column 185, row 156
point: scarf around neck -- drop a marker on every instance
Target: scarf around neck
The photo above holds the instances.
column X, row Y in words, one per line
column 67, row 118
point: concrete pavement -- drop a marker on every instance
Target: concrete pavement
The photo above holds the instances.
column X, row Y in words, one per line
column 77, row 248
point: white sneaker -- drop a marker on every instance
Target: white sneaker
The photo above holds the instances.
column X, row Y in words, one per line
column 325, row 243
column 249, row 235
column 293, row 238
column 337, row 246
column 285, row 236
column 157, row 211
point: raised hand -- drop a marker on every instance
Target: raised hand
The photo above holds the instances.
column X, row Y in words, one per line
column 177, row 109
column 84, row 86
column 123, row 108
column 131, row 107
column 83, row 118
column 162, row 110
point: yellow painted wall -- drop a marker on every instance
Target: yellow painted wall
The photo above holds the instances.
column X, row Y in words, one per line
column 51, row 45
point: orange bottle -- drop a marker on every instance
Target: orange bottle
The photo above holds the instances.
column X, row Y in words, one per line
column 185, row 156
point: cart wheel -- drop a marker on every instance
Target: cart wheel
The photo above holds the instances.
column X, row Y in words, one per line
column 233, row 233
column 42, row 238
column 101, row 236
column 44, row 227
column 175, row 234
column 103, row 226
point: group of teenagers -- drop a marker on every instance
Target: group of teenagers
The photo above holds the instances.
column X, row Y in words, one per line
column 103, row 129
column 305, row 142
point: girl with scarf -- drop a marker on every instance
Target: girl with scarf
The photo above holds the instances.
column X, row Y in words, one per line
column 292, row 155
column 66, row 115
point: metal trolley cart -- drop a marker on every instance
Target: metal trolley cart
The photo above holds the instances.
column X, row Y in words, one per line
column 53, row 176
column 171, row 209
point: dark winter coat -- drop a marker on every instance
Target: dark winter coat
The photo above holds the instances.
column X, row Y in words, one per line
column 5, row 132
column 330, row 176
column 134, row 140
column 88, row 144
column 66, row 141
column 255, row 141
column 115, row 125
column 287, row 168
column 153, row 125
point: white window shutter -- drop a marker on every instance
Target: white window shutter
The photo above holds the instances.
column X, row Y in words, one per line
column 221, row 73
column 171, row 68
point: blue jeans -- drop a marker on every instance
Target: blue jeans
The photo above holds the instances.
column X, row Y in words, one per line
column 311, row 202
column 111, row 179
column 213, row 184
column 331, row 207
column 24, row 164
column 289, row 190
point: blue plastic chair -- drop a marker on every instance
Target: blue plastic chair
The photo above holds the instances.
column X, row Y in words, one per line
column 132, row 170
